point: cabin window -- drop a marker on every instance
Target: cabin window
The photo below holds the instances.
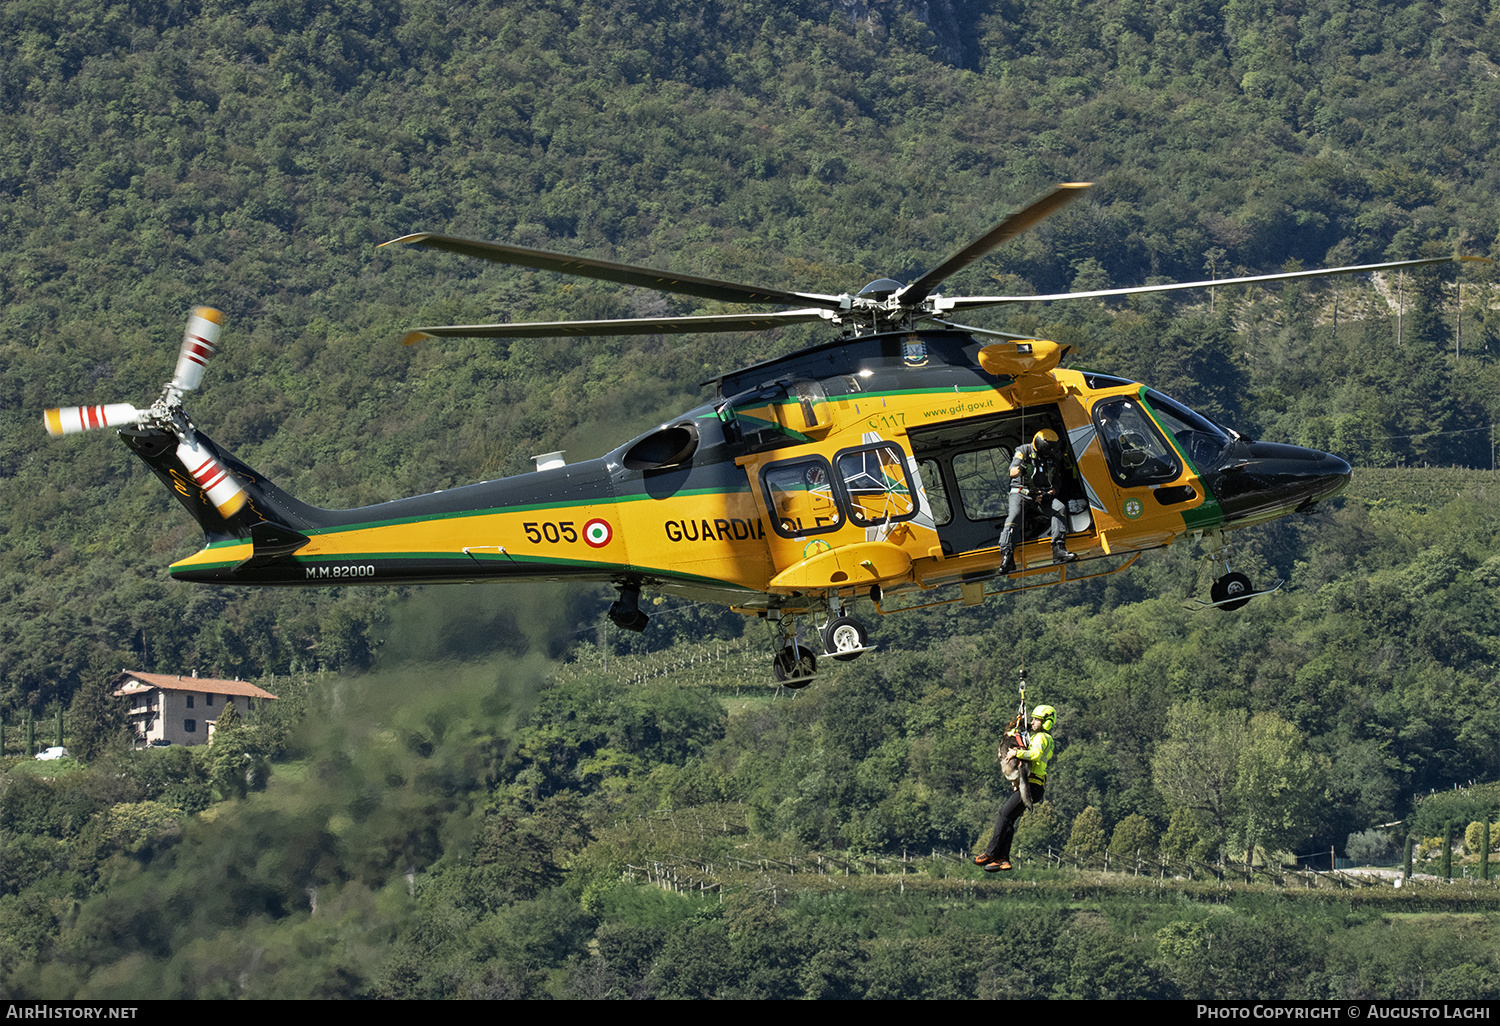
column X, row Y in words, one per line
column 801, row 497
column 984, row 482
column 876, row 484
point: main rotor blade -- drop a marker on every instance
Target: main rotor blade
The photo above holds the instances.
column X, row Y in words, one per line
column 624, row 274
column 981, row 331
column 1017, row 223
column 975, row 302
column 626, row 326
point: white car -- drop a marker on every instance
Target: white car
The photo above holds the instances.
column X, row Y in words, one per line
column 53, row 753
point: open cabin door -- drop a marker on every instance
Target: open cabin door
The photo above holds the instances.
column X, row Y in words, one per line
column 965, row 470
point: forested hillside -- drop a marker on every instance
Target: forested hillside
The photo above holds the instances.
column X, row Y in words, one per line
column 476, row 768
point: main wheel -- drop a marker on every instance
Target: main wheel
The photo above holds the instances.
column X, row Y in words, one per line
column 793, row 665
column 842, row 634
column 1228, row 587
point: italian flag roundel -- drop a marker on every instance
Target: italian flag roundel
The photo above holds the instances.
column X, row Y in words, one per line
column 597, row 533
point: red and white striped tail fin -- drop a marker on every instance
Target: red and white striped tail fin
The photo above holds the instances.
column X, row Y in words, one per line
column 203, row 327
column 222, row 488
column 71, row 420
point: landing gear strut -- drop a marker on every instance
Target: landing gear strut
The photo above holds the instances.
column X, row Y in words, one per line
column 843, row 638
column 794, row 664
column 1232, row 590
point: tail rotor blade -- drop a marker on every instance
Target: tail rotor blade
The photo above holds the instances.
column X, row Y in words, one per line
column 203, row 327
column 71, row 420
column 222, row 488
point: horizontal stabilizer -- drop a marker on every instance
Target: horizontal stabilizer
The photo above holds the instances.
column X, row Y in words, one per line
column 271, row 542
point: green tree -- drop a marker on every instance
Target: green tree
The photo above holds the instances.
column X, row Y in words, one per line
column 1280, row 786
column 1134, row 837
column 236, row 761
column 1087, row 838
column 1182, row 836
column 1368, row 846
column 1041, row 828
column 1196, row 765
column 99, row 721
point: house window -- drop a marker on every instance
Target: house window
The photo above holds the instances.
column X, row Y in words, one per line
column 209, row 700
column 189, row 701
column 190, row 726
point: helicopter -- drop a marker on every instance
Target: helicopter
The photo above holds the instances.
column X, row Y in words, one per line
column 872, row 467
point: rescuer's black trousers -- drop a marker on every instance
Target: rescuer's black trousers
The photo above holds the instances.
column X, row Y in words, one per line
column 1005, row 823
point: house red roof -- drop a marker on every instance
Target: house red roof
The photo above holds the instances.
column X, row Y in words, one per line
column 122, row 684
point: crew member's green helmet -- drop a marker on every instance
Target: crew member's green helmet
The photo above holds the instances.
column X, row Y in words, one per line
column 1047, row 715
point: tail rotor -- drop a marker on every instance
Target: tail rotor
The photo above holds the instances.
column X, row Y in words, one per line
column 73, row 420
column 223, row 490
column 198, row 342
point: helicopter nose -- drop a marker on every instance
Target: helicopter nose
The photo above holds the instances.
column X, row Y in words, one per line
column 1263, row 480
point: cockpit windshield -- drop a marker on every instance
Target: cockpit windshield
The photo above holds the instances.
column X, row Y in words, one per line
column 1199, row 438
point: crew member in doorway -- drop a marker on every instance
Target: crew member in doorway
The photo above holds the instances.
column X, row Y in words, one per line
column 1034, row 757
column 1036, row 474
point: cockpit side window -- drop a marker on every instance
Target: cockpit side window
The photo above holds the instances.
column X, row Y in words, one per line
column 1136, row 452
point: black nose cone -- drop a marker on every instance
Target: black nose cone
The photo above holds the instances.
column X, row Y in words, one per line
column 1263, row 480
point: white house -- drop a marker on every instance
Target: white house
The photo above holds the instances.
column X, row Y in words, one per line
column 182, row 710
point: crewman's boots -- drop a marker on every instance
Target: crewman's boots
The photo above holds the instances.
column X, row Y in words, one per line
column 1007, row 552
column 1007, row 559
column 1060, row 554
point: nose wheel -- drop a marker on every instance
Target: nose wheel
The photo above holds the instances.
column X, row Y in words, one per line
column 1232, row 591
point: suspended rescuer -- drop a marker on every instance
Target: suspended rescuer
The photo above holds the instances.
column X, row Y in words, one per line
column 1032, row 750
column 1036, row 474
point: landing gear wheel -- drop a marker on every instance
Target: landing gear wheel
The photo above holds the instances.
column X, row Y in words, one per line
column 794, row 666
column 843, row 634
column 1229, row 586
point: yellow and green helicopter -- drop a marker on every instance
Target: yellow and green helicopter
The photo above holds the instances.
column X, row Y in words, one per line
column 874, row 467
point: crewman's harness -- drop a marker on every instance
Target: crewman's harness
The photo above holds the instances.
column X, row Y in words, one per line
column 1017, row 738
